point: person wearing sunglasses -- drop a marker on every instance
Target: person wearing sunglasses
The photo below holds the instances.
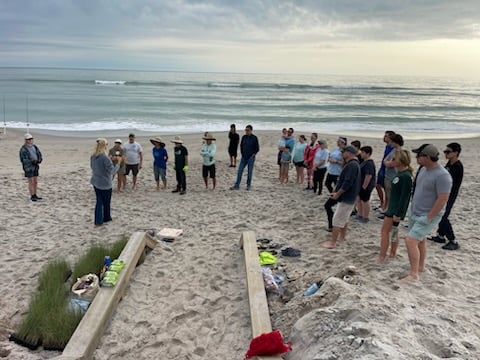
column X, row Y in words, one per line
column 455, row 168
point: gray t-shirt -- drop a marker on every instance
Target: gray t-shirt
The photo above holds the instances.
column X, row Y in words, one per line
column 390, row 172
column 429, row 184
column 132, row 152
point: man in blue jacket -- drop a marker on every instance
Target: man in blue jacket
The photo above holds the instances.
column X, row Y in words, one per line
column 346, row 192
column 249, row 147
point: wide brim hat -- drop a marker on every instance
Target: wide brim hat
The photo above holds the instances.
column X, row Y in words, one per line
column 209, row 136
column 157, row 139
column 177, row 140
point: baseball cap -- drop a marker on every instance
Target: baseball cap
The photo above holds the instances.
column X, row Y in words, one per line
column 28, row 136
column 350, row 149
column 427, row 149
column 131, row 135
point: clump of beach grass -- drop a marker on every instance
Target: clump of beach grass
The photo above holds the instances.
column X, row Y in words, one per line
column 50, row 320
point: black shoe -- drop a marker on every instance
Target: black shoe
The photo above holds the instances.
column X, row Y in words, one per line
column 176, row 190
column 451, row 246
column 37, row 197
column 183, row 192
column 33, row 198
column 437, row 239
column 234, row 188
column 308, row 188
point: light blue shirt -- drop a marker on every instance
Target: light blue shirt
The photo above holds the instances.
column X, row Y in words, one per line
column 321, row 154
column 207, row 152
column 335, row 169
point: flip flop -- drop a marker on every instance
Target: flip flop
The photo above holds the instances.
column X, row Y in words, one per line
column 263, row 241
column 291, row 252
column 169, row 240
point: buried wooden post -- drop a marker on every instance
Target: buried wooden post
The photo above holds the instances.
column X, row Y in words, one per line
column 87, row 335
column 257, row 297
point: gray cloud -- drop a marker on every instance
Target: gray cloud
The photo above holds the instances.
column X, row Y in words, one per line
column 87, row 25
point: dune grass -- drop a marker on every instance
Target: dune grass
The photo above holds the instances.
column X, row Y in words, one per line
column 50, row 321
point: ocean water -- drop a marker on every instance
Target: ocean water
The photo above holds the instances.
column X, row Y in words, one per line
column 80, row 101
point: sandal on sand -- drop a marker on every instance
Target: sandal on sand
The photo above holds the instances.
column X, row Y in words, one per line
column 263, row 241
column 291, row 252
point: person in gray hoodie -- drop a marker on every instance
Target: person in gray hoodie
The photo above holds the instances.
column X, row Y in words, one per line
column 103, row 172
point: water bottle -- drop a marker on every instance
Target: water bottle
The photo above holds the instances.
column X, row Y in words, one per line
column 107, row 261
column 311, row 290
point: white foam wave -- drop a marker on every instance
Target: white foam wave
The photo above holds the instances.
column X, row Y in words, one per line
column 110, row 82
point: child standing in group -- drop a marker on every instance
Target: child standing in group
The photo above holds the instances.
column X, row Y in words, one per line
column 160, row 158
column 285, row 160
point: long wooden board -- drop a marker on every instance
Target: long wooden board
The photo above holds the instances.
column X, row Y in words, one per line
column 257, row 297
column 86, row 337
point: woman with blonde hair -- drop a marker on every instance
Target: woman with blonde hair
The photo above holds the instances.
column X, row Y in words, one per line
column 103, row 172
column 398, row 204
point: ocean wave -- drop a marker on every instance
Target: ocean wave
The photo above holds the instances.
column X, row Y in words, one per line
column 110, row 82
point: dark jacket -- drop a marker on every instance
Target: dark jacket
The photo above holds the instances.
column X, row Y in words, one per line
column 350, row 180
column 28, row 163
column 249, row 146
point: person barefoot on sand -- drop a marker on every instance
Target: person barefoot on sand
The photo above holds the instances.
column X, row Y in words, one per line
column 397, row 207
column 346, row 192
column 431, row 191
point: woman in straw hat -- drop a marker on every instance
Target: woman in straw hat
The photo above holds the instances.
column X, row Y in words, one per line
column 160, row 158
column 207, row 152
column 103, row 172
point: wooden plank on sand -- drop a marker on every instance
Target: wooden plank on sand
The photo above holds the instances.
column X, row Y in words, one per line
column 86, row 337
column 257, row 297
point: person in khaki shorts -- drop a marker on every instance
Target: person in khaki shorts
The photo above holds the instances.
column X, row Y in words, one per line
column 346, row 192
column 117, row 155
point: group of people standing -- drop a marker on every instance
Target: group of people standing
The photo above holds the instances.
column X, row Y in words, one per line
column 425, row 197
column 347, row 171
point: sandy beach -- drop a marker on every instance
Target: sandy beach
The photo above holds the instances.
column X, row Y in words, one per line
column 189, row 300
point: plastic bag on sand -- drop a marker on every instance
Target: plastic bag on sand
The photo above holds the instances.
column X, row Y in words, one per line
column 269, row 280
column 86, row 287
column 268, row 344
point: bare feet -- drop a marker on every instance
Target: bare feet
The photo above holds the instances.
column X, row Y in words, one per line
column 379, row 259
column 329, row 244
column 410, row 278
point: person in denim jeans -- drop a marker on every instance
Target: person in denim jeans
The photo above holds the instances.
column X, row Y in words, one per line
column 249, row 147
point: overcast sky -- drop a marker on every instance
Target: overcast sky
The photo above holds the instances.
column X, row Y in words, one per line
column 373, row 37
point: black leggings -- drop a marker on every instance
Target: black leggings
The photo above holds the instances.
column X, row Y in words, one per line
column 331, row 181
column 318, row 176
column 329, row 204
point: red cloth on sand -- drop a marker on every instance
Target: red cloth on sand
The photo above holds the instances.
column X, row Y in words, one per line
column 267, row 344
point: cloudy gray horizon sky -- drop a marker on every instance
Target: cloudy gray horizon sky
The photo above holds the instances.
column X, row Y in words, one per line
column 369, row 37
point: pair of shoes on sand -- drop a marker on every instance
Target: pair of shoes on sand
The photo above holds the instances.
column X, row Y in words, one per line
column 450, row 245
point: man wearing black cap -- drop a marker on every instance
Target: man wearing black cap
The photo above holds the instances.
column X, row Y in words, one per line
column 455, row 168
column 345, row 194
column 432, row 188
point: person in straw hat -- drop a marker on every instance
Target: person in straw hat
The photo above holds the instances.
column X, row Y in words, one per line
column 160, row 158
column 180, row 165
column 207, row 152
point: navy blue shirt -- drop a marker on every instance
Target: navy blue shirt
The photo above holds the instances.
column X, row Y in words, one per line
column 249, row 146
column 160, row 157
column 350, row 181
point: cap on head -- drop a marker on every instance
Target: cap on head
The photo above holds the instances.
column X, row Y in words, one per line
column 28, row 136
column 322, row 142
column 350, row 149
column 118, row 141
column 131, row 135
column 427, row 150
